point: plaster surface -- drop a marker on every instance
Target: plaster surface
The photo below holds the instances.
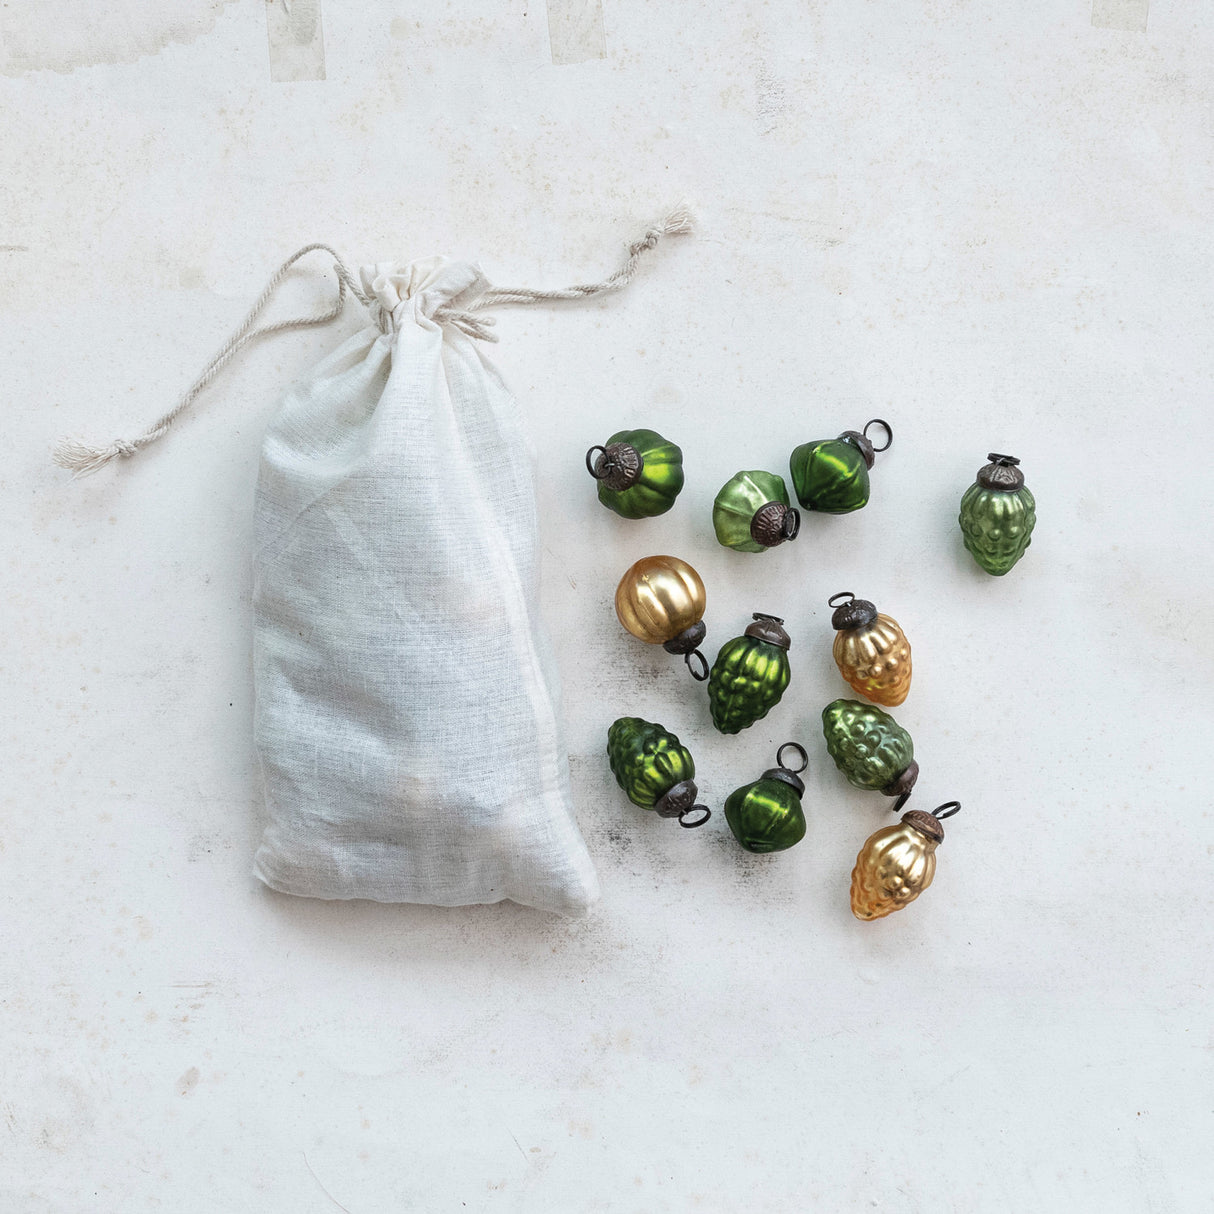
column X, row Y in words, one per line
column 990, row 224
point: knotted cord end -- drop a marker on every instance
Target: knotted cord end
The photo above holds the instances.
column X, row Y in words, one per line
column 678, row 221
column 81, row 459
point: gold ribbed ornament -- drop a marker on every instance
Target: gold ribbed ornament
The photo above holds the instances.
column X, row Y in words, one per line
column 897, row 863
column 872, row 652
column 659, row 598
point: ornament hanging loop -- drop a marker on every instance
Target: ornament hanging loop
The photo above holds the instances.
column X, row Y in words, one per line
column 901, row 801
column 1008, row 461
column 946, row 810
column 800, row 751
column 685, row 821
column 698, row 668
column 599, row 466
column 844, row 596
column 791, row 526
column 889, row 433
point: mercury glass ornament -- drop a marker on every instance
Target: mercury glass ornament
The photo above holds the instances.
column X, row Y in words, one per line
column 897, row 863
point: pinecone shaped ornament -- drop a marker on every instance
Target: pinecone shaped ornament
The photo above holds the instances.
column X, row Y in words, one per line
column 870, row 748
column 750, row 675
column 897, row 863
column 871, row 650
column 655, row 770
column 998, row 515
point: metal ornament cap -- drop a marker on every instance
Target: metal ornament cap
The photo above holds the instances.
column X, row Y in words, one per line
column 769, row 628
column 854, row 613
column 1001, row 473
column 774, row 524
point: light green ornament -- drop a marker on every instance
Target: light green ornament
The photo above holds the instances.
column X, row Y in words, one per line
column 998, row 515
column 752, row 512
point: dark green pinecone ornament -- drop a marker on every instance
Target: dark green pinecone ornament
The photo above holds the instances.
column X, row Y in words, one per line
column 767, row 816
column 655, row 770
column 997, row 515
column 832, row 475
column 750, row 675
column 751, row 513
column 870, row 748
column 639, row 473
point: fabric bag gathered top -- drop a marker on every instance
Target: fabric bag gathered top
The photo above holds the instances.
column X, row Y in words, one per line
column 407, row 714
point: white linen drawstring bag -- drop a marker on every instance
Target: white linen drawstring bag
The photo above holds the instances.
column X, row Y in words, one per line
column 407, row 716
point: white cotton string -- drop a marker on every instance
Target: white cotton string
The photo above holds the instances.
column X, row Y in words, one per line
column 81, row 458
column 675, row 224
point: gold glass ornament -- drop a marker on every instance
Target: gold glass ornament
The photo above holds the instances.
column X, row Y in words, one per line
column 898, row 863
column 871, row 650
column 661, row 601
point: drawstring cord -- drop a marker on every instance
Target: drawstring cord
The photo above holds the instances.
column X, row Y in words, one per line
column 82, row 458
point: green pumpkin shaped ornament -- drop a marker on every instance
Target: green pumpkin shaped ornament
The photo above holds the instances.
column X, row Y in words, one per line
column 639, row 473
column 655, row 770
column 766, row 816
column 870, row 748
column 998, row 515
column 752, row 513
column 750, row 675
column 831, row 475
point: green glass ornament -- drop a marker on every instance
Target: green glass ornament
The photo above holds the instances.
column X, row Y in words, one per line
column 997, row 515
column 870, row 748
column 767, row 816
column 752, row 513
column 832, row 475
column 639, row 473
column 750, row 675
column 655, row 770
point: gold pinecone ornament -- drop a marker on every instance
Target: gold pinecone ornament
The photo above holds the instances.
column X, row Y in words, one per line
column 871, row 650
column 897, row 863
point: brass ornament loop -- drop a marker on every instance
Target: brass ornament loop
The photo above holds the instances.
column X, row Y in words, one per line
column 946, row 810
column 700, row 672
column 800, row 750
column 889, row 432
column 699, row 821
column 844, row 596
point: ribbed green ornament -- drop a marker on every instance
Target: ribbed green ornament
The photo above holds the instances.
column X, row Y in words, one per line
column 639, row 473
column 654, row 769
column 869, row 747
column 998, row 515
column 752, row 513
column 750, row 675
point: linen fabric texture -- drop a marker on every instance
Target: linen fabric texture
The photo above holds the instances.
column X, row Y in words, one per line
column 407, row 713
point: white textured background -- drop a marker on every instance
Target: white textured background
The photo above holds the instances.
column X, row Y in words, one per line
column 990, row 223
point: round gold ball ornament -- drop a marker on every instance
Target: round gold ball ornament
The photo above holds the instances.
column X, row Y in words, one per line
column 898, row 863
column 871, row 650
column 661, row 601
